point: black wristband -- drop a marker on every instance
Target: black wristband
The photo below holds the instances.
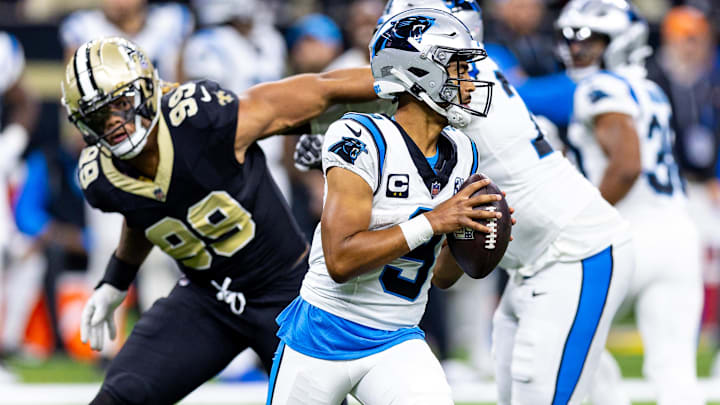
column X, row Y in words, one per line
column 119, row 274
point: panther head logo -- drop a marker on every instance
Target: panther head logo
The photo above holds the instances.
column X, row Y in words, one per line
column 400, row 31
column 349, row 149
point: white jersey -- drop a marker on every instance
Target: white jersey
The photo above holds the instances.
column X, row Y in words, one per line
column 550, row 197
column 372, row 146
column 238, row 62
column 12, row 61
column 12, row 143
column 165, row 29
column 658, row 190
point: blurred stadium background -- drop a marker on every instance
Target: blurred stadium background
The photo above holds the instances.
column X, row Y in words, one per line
column 52, row 257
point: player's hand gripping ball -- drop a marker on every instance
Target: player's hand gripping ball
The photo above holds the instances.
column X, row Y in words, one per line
column 479, row 253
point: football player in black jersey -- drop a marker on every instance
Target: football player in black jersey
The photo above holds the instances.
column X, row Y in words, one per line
column 182, row 166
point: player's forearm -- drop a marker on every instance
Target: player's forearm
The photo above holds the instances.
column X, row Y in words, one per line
column 446, row 271
column 349, row 85
column 617, row 182
column 307, row 96
column 352, row 256
column 133, row 246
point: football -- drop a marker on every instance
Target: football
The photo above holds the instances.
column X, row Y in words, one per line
column 479, row 253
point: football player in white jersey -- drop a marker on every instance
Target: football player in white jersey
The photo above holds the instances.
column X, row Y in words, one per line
column 14, row 138
column 391, row 188
column 570, row 262
column 621, row 136
column 15, row 135
column 159, row 29
column 238, row 50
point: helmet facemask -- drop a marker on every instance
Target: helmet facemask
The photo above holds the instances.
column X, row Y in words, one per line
column 417, row 62
column 450, row 104
column 625, row 34
column 587, row 57
column 134, row 103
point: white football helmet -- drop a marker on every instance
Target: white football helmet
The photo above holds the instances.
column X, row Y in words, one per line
column 467, row 11
column 616, row 20
column 112, row 77
column 411, row 52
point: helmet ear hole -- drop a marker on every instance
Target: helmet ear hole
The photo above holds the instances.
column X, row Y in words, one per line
column 418, row 72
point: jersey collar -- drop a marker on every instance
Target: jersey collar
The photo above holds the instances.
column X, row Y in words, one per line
column 156, row 189
column 435, row 180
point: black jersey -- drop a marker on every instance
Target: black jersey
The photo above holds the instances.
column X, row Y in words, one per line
column 216, row 217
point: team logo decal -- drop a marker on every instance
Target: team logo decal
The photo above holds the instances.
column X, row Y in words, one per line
column 598, row 95
column 349, row 149
column 398, row 35
column 398, row 186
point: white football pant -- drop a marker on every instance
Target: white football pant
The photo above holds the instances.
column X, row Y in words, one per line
column 667, row 286
column 405, row 374
column 550, row 329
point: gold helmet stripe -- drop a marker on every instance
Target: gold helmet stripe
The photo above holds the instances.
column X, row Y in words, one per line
column 83, row 71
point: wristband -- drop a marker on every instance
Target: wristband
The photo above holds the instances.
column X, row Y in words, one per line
column 119, row 274
column 417, row 231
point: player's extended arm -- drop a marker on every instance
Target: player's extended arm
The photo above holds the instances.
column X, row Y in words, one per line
column 351, row 249
column 618, row 138
column 119, row 274
column 274, row 107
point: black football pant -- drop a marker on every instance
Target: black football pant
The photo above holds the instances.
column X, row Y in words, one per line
column 181, row 342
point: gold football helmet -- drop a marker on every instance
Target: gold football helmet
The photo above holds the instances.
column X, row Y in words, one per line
column 109, row 83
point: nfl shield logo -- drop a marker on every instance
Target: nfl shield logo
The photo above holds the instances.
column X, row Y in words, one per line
column 434, row 189
column 159, row 194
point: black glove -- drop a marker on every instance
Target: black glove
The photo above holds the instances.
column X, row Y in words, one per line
column 308, row 152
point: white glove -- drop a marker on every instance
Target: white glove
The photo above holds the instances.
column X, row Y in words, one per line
column 97, row 312
column 308, row 152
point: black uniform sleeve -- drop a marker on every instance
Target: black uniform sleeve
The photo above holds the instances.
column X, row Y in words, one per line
column 203, row 118
column 92, row 180
column 201, row 105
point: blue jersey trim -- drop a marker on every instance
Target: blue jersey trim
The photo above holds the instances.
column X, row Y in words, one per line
column 475, row 157
column 432, row 160
column 31, row 215
column 377, row 136
column 277, row 359
column 320, row 334
column 617, row 76
column 597, row 274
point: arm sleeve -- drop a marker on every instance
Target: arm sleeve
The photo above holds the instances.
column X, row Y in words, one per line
column 550, row 96
column 31, row 214
column 602, row 94
column 348, row 145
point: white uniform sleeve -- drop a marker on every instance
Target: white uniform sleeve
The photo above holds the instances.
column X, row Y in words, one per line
column 349, row 145
column 602, row 94
column 12, row 61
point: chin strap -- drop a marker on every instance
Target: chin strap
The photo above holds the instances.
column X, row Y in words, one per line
column 456, row 116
